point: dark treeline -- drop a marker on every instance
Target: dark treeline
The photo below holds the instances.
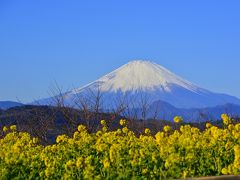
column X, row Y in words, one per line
column 47, row 122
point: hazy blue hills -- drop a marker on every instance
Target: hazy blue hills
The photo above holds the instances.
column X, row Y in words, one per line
column 9, row 104
column 163, row 110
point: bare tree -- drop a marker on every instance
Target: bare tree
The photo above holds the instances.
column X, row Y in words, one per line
column 59, row 100
column 144, row 104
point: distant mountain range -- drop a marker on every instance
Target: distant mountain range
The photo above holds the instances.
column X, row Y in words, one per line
column 9, row 104
column 167, row 111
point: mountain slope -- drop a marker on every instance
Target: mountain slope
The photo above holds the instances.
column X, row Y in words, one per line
column 9, row 104
column 143, row 79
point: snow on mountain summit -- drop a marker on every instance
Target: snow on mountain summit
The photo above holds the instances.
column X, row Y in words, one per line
column 140, row 75
column 148, row 79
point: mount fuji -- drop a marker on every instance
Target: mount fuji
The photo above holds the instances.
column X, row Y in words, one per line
column 140, row 80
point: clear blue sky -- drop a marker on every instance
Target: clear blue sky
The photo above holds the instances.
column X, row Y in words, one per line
column 74, row 42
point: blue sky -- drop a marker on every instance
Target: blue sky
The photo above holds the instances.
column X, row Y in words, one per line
column 75, row 42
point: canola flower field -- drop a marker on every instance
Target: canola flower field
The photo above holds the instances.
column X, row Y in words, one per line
column 120, row 154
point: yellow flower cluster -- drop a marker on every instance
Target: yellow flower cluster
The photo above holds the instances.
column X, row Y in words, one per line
column 120, row 154
column 226, row 119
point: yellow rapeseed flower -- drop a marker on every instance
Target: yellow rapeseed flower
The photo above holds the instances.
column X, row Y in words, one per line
column 5, row 129
column 225, row 171
column 105, row 129
column 178, row 119
column 147, row 131
column 208, row 125
column 79, row 162
column 226, row 119
column 103, row 122
column 13, row 128
column 237, row 127
column 81, row 128
column 35, row 140
column 61, row 138
column 167, row 128
column 125, row 130
column 70, row 164
column 145, row 171
column 122, row 122
column 106, row 163
column 230, row 127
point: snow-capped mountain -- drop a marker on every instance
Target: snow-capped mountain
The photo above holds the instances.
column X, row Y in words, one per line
column 137, row 81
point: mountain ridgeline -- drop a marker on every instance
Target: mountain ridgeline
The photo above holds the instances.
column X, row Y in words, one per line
column 146, row 86
column 9, row 104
